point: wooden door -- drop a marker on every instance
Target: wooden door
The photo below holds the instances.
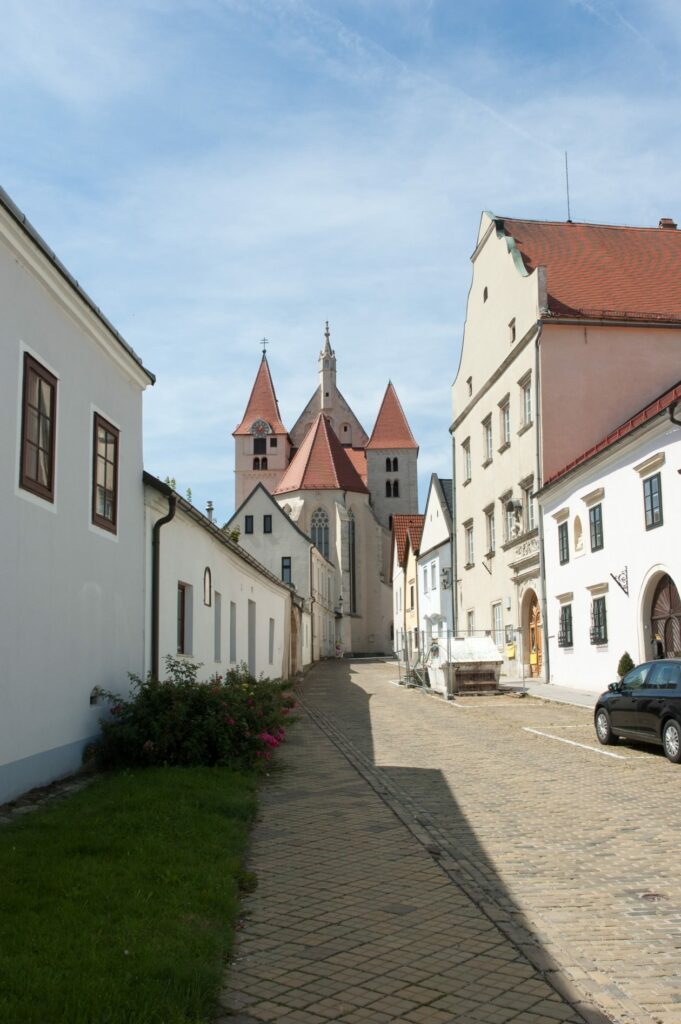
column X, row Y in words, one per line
column 536, row 639
column 666, row 617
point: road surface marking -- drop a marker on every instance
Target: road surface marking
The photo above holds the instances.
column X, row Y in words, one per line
column 573, row 743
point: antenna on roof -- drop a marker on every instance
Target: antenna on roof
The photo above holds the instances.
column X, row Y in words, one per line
column 567, row 189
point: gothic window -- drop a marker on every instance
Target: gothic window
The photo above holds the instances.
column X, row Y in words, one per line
column 388, row 465
column 388, row 489
column 319, row 530
column 207, row 588
column 396, row 488
column 394, row 465
column 263, row 463
column 353, row 574
column 256, row 463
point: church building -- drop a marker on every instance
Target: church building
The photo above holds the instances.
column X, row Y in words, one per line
column 340, row 486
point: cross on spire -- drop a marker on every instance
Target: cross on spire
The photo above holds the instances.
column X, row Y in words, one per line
column 264, row 342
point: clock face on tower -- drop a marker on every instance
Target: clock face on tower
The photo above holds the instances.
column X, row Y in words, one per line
column 260, row 428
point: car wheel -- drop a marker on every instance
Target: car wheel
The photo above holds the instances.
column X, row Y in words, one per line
column 671, row 741
column 603, row 727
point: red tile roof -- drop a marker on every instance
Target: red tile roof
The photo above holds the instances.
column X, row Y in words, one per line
column 601, row 271
column 650, row 412
column 321, row 464
column 358, row 457
column 407, row 528
column 262, row 405
column 391, row 429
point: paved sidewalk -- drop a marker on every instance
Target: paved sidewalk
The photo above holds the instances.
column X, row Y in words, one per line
column 559, row 694
column 358, row 917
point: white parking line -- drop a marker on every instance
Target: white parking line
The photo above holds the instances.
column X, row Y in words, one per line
column 573, row 743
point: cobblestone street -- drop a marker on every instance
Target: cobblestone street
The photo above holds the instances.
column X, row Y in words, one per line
column 483, row 860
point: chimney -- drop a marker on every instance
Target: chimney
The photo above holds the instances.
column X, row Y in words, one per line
column 667, row 224
column 209, row 510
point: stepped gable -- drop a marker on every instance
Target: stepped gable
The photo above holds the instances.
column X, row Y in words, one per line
column 321, row 464
column 391, row 429
column 601, row 271
column 407, row 526
column 262, row 405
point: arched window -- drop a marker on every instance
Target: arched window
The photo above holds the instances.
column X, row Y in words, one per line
column 319, row 530
column 396, row 488
column 388, row 489
column 263, row 463
column 394, row 465
column 387, row 465
column 207, row 587
column 256, row 463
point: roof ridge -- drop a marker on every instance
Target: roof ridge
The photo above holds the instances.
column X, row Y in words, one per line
column 583, row 224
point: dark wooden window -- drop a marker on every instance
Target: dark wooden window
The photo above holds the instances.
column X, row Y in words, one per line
column 181, row 617
column 273, row 442
column 105, row 475
column 286, row 569
column 599, row 622
column 596, row 527
column 652, row 500
column 565, row 626
column 396, row 489
column 38, row 428
column 563, row 544
column 248, row 524
column 267, row 524
column 263, row 463
column 260, row 446
column 388, row 489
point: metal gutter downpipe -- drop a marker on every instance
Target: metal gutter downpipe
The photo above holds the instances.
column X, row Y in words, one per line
column 156, row 579
column 540, row 516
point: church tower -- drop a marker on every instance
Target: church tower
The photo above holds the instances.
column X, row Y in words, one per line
column 328, row 400
column 262, row 446
column 391, row 455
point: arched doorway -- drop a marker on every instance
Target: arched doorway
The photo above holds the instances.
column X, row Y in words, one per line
column 534, row 634
column 665, row 616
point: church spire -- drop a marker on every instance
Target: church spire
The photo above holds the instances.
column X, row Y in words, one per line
column 262, row 405
column 327, row 371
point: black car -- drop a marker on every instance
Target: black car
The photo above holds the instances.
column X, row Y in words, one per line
column 645, row 705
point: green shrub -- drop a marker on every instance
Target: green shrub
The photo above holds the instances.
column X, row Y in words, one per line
column 625, row 665
column 232, row 720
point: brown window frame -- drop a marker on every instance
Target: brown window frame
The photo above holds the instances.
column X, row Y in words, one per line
column 181, row 618
column 26, row 482
column 98, row 520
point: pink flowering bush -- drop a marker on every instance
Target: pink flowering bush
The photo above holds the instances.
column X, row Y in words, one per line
column 232, row 720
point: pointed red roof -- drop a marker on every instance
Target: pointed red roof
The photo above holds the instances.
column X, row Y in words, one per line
column 321, row 464
column 407, row 527
column 262, row 405
column 391, row 429
column 603, row 271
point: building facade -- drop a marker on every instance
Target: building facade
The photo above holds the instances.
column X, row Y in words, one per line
column 72, row 604
column 569, row 329
column 435, row 592
column 613, row 559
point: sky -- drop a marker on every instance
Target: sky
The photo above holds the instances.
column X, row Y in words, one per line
column 217, row 171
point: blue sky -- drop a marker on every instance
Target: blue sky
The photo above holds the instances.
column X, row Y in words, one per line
column 213, row 171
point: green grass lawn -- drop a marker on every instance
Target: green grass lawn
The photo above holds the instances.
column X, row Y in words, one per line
column 118, row 905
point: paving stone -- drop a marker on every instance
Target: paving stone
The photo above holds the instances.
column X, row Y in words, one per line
column 355, row 921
